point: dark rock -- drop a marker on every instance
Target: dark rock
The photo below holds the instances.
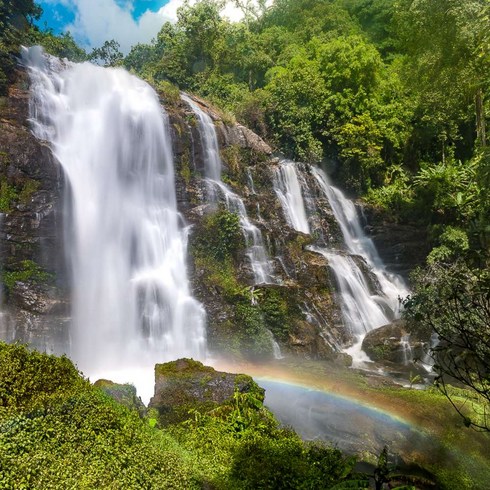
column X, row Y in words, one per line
column 394, row 343
column 402, row 246
column 125, row 394
column 31, row 229
column 186, row 384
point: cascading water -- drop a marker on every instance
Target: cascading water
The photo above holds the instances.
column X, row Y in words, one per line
column 406, row 349
column 288, row 190
column 131, row 302
column 261, row 265
column 362, row 308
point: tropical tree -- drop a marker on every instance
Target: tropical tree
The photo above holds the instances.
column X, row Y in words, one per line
column 453, row 301
column 16, row 16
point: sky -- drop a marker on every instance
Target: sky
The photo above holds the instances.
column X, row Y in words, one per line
column 129, row 22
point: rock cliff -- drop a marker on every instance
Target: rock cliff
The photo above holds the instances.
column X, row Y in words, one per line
column 31, row 239
column 297, row 312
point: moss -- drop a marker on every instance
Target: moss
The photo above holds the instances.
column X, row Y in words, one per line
column 378, row 352
column 28, row 271
column 29, row 187
column 296, row 247
column 8, row 196
column 276, row 313
column 221, row 236
column 231, row 156
column 182, row 368
column 168, row 92
column 185, row 166
column 11, row 193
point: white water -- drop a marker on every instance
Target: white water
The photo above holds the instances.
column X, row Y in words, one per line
column 288, row 190
column 406, row 349
column 210, row 146
column 256, row 252
column 126, row 244
column 363, row 309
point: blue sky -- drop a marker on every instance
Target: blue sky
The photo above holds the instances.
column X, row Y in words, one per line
column 57, row 15
column 93, row 21
column 127, row 21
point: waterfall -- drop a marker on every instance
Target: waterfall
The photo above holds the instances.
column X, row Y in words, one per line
column 406, row 349
column 357, row 242
column 288, row 190
column 256, row 251
column 126, row 242
column 365, row 304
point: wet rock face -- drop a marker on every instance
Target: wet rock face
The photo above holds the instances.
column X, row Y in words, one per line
column 299, row 309
column 186, row 384
column 403, row 247
column 31, row 181
column 301, row 295
column 394, row 343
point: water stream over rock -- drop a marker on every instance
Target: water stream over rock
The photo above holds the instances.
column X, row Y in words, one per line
column 368, row 293
column 288, row 190
column 256, row 251
column 125, row 241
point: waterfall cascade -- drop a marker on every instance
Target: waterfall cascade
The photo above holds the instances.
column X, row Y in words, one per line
column 288, row 190
column 365, row 304
column 126, row 241
column 368, row 293
column 260, row 262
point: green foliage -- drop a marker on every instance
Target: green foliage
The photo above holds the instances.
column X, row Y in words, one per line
column 453, row 243
column 255, row 340
column 28, row 270
column 393, row 91
column 169, row 92
column 284, row 461
column 8, row 195
column 108, row 54
column 276, row 313
column 396, row 196
column 240, row 446
column 453, row 300
column 57, row 431
column 28, row 379
column 62, row 46
column 221, row 237
column 15, row 19
column 449, row 188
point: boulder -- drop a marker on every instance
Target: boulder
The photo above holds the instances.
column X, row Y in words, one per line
column 394, row 343
column 125, row 394
column 187, row 385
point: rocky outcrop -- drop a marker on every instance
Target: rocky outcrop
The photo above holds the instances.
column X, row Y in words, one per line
column 402, row 246
column 395, row 343
column 186, row 385
column 124, row 394
column 35, row 308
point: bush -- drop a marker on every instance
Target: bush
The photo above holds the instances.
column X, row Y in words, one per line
column 58, row 431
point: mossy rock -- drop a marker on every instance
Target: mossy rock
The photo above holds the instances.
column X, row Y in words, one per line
column 125, row 394
column 185, row 386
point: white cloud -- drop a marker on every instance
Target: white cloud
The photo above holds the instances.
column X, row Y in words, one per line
column 99, row 20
